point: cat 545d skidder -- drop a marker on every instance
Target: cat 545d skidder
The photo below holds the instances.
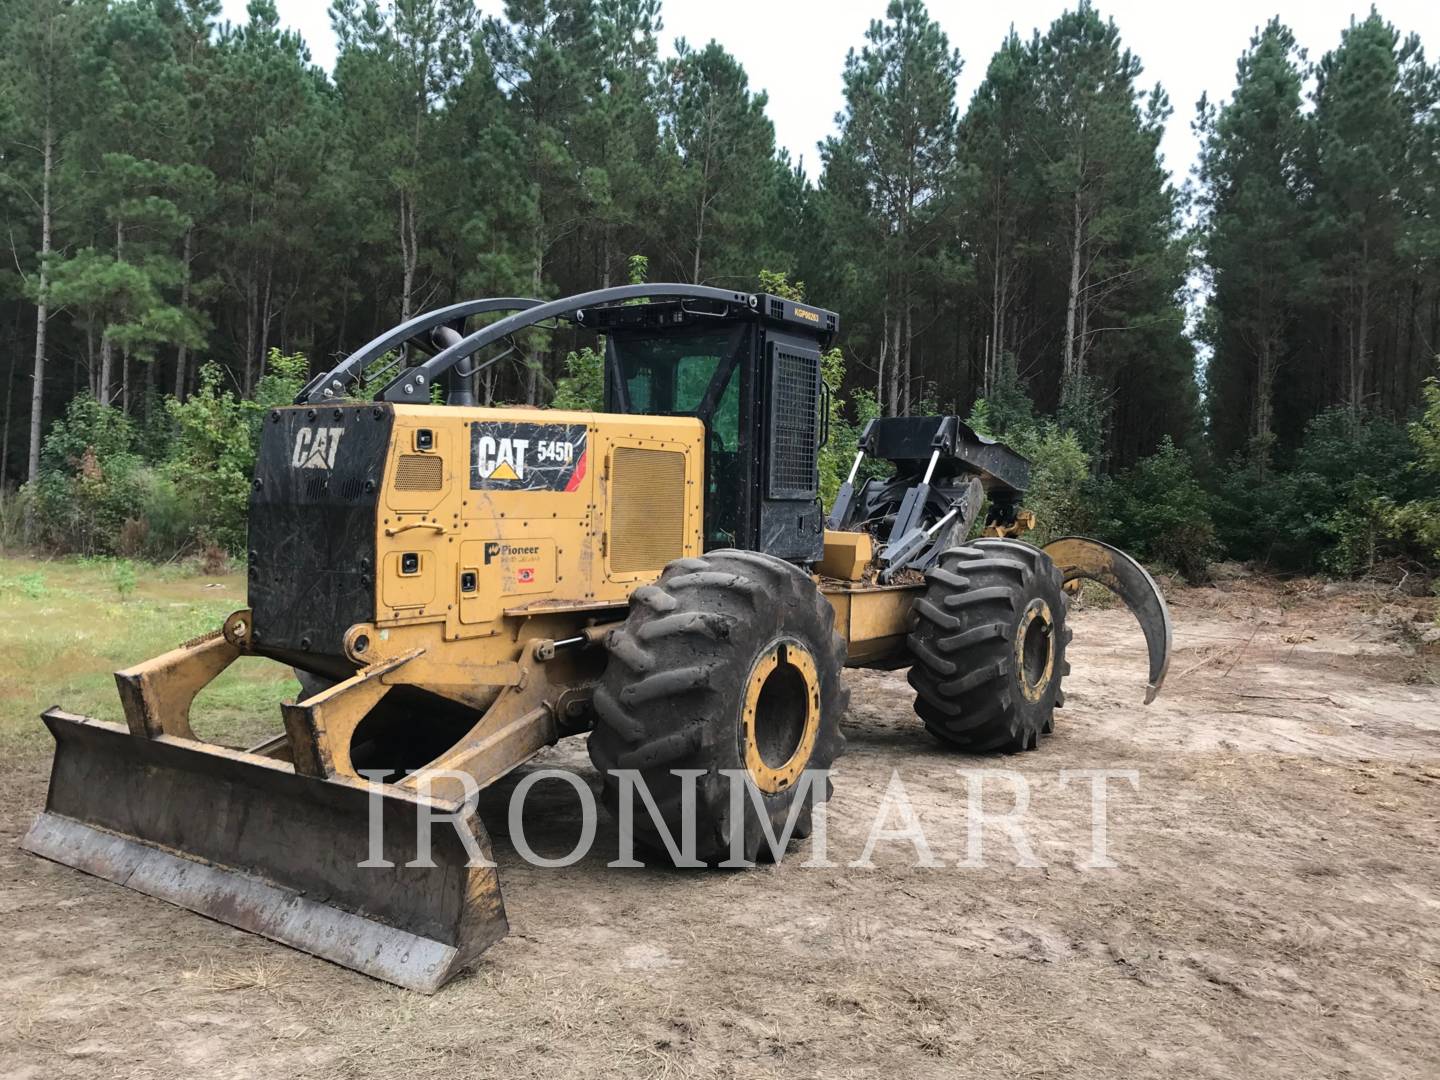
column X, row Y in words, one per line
column 459, row 587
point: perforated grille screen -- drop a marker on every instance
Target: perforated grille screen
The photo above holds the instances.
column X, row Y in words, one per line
column 795, row 420
column 419, row 472
column 647, row 509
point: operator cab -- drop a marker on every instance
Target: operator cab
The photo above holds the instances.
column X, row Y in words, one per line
column 751, row 375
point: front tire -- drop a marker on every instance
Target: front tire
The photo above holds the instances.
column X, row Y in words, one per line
column 729, row 662
column 988, row 639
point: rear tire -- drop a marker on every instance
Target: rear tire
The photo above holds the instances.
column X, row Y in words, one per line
column 729, row 661
column 988, row 638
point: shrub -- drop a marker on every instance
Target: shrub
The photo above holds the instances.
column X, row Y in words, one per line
column 1059, row 471
column 217, row 436
column 1328, row 509
column 1158, row 511
column 98, row 494
column 1414, row 525
column 1059, row 462
column 838, row 453
column 582, row 386
column 89, row 479
column 123, row 575
column 14, row 510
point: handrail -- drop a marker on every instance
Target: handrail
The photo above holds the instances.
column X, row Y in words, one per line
column 335, row 381
column 414, row 383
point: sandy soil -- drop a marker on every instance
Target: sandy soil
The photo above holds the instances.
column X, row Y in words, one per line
column 1275, row 910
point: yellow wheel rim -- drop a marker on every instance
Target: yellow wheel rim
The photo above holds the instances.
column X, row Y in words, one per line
column 1035, row 649
column 781, row 715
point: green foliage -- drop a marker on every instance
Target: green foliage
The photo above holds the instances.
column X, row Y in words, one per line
column 1059, row 464
column 714, row 215
column 1323, row 512
column 890, row 175
column 1082, row 413
column 32, row 585
column 1255, row 238
column 217, row 435
column 123, row 576
column 582, row 387
column 1414, row 525
column 101, row 493
column 838, row 454
column 183, row 195
column 638, row 269
column 1158, row 511
column 91, row 480
column 214, row 458
column 778, row 284
column 1059, row 469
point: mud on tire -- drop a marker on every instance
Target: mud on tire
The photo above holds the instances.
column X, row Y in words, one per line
column 988, row 639
column 674, row 695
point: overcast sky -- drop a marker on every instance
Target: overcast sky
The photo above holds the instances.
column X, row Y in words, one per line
column 795, row 49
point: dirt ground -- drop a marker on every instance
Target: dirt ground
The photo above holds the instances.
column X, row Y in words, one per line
column 1275, row 910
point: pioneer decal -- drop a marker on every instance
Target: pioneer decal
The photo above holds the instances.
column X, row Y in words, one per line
column 517, row 566
column 498, row 549
column 527, row 457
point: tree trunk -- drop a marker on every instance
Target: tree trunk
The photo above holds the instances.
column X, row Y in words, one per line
column 408, row 254
column 536, row 284
column 183, row 352
column 893, row 402
column 42, row 307
column 907, row 340
column 152, row 367
column 1072, row 300
column 107, row 372
column 880, row 398
column 1357, row 371
column 266, row 315
column 9, row 398
column 1264, row 405
column 252, row 315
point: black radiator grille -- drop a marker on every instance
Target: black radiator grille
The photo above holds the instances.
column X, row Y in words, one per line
column 794, row 432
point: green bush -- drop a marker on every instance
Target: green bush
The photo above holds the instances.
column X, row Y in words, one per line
column 1059, row 462
column 100, row 493
column 1414, row 525
column 1059, row 472
column 90, row 480
column 1158, row 511
column 582, row 387
column 838, row 453
column 217, row 436
column 1326, row 508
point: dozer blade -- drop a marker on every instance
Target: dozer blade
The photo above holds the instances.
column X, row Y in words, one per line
column 243, row 839
column 1079, row 557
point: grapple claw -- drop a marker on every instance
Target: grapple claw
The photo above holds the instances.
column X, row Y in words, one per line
column 1079, row 557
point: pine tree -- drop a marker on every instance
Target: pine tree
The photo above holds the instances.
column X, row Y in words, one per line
column 44, row 41
column 891, row 170
column 1115, row 217
column 396, row 65
column 1255, row 227
column 996, row 143
column 130, row 174
column 1361, row 129
column 547, row 60
column 719, row 176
